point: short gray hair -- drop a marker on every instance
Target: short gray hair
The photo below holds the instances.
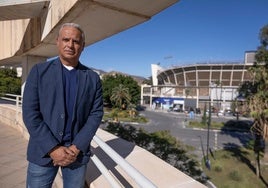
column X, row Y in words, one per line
column 77, row 26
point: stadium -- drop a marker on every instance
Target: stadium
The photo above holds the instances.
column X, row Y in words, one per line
column 196, row 85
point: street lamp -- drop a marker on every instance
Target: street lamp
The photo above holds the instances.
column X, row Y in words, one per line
column 208, row 131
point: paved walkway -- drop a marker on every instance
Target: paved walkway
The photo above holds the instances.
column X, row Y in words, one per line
column 13, row 164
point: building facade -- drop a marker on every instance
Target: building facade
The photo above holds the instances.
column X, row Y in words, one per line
column 195, row 85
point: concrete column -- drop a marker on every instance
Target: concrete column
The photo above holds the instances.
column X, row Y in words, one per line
column 27, row 63
column 141, row 102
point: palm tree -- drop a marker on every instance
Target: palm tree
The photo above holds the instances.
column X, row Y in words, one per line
column 120, row 96
column 257, row 97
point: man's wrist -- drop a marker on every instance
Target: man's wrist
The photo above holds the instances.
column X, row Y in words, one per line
column 53, row 149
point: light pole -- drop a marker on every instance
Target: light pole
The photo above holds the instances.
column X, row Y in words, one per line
column 208, row 131
column 209, row 124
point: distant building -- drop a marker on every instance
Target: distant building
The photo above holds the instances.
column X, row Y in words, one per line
column 193, row 86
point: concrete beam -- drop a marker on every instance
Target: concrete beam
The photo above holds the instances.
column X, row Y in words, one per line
column 21, row 9
column 100, row 19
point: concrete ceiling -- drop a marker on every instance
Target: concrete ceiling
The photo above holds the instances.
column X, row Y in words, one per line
column 100, row 19
column 20, row 9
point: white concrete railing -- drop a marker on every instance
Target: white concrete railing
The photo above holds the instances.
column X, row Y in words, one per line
column 13, row 98
column 141, row 180
column 115, row 162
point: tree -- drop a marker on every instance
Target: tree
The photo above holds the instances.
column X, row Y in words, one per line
column 111, row 81
column 9, row 82
column 162, row 145
column 120, row 96
column 257, row 95
column 148, row 81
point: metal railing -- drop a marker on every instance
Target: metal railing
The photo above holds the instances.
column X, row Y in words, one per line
column 139, row 178
column 12, row 98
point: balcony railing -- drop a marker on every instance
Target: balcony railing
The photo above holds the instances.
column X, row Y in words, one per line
column 139, row 178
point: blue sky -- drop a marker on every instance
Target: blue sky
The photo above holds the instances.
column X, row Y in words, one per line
column 191, row 31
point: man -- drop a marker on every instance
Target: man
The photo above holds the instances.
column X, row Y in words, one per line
column 62, row 110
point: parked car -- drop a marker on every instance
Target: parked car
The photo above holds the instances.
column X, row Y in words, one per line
column 228, row 112
column 221, row 113
column 176, row 108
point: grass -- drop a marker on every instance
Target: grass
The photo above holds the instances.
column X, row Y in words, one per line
column 239, row 125
column 214, row 125
column 235, row 168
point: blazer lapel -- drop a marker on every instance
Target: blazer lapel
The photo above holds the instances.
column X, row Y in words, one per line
column 82, row 79
column 57, row 68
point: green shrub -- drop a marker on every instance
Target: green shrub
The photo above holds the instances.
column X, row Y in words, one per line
column 218, row 168
column 197, row 124
column 250, row 144
column 161, row 144
column 123, row 114
column 234, row 175
column 225, row 156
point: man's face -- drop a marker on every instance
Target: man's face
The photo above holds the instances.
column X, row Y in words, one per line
column 70, row 45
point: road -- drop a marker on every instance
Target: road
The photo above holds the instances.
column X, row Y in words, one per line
column 175, row 123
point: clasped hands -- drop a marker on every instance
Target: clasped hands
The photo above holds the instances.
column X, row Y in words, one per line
column 63, row 156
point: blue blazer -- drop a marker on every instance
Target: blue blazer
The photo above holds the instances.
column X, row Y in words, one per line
column 44, row 110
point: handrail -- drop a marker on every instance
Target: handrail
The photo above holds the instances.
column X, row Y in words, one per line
column 140, row 179
column 12, row 97
column 105, row 172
